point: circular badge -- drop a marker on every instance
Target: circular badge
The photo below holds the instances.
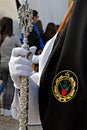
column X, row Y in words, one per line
column 65, row 85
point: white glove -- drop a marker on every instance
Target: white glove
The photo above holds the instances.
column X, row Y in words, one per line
column 19, row 65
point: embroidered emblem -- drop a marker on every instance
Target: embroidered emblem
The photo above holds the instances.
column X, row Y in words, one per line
column 65, row 86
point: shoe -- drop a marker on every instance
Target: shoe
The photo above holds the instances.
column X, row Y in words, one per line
column 7, row 112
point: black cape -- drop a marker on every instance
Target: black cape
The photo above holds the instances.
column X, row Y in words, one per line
column 63, row 88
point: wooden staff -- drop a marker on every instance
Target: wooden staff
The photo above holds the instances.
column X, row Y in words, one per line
column 66, row 17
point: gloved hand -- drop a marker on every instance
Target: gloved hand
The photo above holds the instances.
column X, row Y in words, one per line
column 19, row 65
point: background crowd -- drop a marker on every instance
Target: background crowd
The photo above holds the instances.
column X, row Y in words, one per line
column 38, row 37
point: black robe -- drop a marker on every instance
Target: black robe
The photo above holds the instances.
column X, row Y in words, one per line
column 63, row 88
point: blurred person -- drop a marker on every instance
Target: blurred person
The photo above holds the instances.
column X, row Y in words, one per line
column 35, row 37
column 50, row 31
column 8, row 41
column 40, row 27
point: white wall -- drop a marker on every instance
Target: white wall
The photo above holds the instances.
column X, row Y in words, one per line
column 8, row 8
column 49, row 10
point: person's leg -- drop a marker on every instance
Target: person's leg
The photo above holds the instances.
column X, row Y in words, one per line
column 7, row 95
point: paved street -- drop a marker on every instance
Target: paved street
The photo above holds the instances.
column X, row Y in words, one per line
column 8, row 123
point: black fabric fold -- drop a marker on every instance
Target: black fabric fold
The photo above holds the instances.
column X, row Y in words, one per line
column 67, row 58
